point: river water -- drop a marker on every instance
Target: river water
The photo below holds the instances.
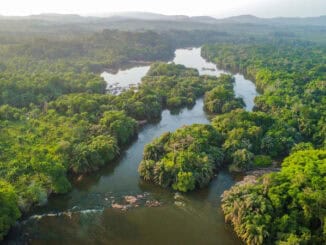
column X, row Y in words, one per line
column 85, row 215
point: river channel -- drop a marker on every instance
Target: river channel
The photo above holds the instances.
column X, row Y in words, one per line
column 85, row 215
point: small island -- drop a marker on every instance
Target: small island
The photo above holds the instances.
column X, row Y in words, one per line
column 184, row 159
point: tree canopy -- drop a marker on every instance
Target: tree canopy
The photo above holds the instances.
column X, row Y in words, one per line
column 184, row 159
column 287, row 207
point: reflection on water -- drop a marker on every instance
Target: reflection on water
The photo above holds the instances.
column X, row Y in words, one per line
column 243, row 88
column 192, row 58
column 124, row 78
column 85, row 216
column 246, row 90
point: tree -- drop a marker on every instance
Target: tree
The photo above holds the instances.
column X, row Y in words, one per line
column 9, row 211
column 183, row 160
column 242, row 160
column 287, row 207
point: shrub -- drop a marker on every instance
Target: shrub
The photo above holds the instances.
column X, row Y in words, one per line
column 262, row 161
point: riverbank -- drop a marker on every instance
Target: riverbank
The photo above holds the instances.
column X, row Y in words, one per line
column 196, row 219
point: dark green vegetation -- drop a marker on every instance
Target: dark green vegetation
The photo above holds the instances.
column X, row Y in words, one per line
column 288, row 207
column 287, row 113
column 189, row 157
column 248, row 134
column 37, row 71
column 9, row 211
column 185, row 159
column 55, row 116
column 292, row 106
column 178, row 86
column 185, row 30
column 81, row 132
column 50, row 130
column 289, row 118
column 222, row 99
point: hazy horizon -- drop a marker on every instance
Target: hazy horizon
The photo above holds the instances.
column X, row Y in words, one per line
column 214, row 8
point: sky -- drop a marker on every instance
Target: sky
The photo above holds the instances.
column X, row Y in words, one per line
column 216, row 8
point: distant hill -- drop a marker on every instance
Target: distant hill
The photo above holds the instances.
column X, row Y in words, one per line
column 51, row 17
column 204, row 19
column 250, row 19
column 317, row 21
column 244, row 19
column 146, row 16
column 142, row 16
column 138, row 21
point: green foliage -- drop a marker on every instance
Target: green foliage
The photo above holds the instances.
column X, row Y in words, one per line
column 176, row 85
column 289, row 117
column 51, row 124
column 185, row 182
column 253, row 133
column 9, row 113
column 119, row 125
column 282, row 208
column 221, row 99
column 291, row 76
column 89, row 156
column 9, row 211
column 81, row 132
column 30, row 64
column 302, row 146
column 262, row 161
column 183, row 160
column 164, row 69
column 242, row 160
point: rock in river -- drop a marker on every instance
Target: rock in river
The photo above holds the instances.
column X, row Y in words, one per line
column 131, row 199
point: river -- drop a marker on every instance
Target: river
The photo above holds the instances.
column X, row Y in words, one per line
column 85, row 215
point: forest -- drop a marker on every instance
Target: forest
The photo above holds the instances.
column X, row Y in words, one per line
column 287, row 207
column 78, row 131
column 56, row 116
column 288, row 121
column 57, row 119
column 184, row 159
column 288, row 114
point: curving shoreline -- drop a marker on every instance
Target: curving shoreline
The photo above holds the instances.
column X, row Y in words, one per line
column 123, row 180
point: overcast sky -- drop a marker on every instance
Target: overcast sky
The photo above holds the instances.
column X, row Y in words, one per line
column 217, row 8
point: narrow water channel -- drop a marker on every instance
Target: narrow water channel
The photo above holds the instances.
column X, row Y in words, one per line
column 85, row 216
